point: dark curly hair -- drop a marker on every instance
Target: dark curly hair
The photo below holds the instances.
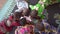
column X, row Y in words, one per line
column 17, row 15
column 26, row 12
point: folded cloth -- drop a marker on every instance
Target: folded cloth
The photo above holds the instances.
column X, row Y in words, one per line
column 21, row 4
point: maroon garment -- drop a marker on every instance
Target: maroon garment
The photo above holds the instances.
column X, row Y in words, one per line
column 15, row 24
column 1, row 32
column 10, row 18
column 6, row 27
column 9, row 28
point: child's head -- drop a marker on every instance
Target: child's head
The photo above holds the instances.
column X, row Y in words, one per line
column 17, row 16
column 26, row 12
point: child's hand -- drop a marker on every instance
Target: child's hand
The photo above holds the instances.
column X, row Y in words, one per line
column 28, row 18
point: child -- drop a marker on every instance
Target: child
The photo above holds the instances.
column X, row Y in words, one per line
column 10, row 22
column 16, row 18
column 26, row 28
column 26, row 14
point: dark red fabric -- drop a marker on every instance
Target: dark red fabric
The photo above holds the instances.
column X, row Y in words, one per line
column 15, row 24
column 1, row 32
column 9, row 28
column 10, row 18
column 6, row 27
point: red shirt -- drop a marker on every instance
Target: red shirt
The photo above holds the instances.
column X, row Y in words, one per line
column 6, row 27
column 13, row 23
column 10, row 18
column 1, row 32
